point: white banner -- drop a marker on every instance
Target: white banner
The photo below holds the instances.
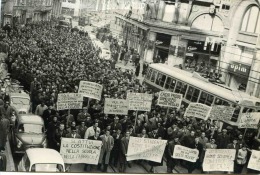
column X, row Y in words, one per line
column 146, row 149
column 219, row 160
column 198, row 110
column 254, row 162
column 249, row 120
column 80, row 151
column 169, row 99
column 69, row 101
column 139, row 101
column 184, row 153
column 90, row 89
column 116, row 106
column 220, row 112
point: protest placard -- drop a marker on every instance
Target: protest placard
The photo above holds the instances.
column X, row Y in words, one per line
column 116, row 106
column 249, row 120
column 184, row 153
column 139, row 101
column 169, row 99
column 222, row 113
column 254, row 162
column 69, row 101
column 90, row 89
column 145, row 149
column 219, row 160
column 198, row 110
column 80, row 151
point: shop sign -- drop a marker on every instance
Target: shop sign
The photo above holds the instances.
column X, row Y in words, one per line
column 203, row 47
column 239, row 68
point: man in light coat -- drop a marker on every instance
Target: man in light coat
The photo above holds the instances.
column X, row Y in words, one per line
column 107, row 146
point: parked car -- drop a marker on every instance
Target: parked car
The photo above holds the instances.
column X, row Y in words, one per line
column 28, row 132
column 20, row 102
column 41, row 160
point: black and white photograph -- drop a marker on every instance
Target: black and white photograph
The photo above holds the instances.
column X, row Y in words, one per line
column 130, row 86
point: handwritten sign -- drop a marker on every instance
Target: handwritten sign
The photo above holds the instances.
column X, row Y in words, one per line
column 220, row 112
column 254, row 162
column 139, row 101
column 69, row 101
column 80, row 151
column 146, row 149
column 184, row 153
column 116, row 106
column 219, row 160
column 169, row 99
column 90, row 89
column 249, row 120
column 198, row 110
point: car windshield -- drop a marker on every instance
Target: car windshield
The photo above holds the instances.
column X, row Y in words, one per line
column 19, row 100
column 47, row 167
column 30, row 128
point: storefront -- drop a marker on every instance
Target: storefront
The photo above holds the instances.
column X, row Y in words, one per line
column 239, row 74
column 202, row 55
column 162, row 45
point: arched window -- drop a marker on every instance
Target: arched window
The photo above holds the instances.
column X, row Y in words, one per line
column 208, row 22
column 251, row 20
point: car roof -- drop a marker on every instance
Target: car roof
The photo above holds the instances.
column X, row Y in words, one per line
column 30, row 119
column 44, row 155
column 22, row 95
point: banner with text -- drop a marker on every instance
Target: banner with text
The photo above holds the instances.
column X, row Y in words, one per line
column 254, row 162
column 80, row 151
column 139, row 101
column 69, row 101
column 169, row 99
column 198, row 110
column 184, row 153
column 249, row 120
column 90, row 89
column 116, row 106
column 146, row 149
column 220, row 112
column 219, row 160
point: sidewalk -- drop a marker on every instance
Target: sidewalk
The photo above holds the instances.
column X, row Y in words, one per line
column 9, row 157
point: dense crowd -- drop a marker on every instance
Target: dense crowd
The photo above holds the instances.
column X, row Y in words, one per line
column 48, row 60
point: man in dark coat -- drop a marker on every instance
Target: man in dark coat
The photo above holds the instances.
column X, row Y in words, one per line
column 123, row 152
column 52, row 126
column 59, row 133
column 171, row 162
column 4, row 129
column 114, row 157
column 223, row 140
column 191, row 166
column 47, row 115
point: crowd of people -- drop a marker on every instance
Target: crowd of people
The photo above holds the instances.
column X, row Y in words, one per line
column 48, row 60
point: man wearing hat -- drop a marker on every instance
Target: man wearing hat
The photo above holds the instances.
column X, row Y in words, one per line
column 73, row 134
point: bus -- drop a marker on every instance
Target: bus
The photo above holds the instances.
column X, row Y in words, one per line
column 196, row 89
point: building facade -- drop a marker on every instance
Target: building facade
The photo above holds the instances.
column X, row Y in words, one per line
column 56, row 8
column 221, row 36
column 30, row 10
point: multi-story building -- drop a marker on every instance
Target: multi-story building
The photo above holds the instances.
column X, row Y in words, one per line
column 222, row 35
column 56, row 8
column 31, row 10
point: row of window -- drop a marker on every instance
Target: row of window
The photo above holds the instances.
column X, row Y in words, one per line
column 32, row 2
column 191, row 93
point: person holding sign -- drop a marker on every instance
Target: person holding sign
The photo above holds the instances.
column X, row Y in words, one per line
column 91, row 131
column 241, row 159
column 107, row 146
column 171, row 162
column 190, row 165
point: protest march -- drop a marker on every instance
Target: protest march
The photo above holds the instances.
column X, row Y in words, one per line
column 99, row 115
